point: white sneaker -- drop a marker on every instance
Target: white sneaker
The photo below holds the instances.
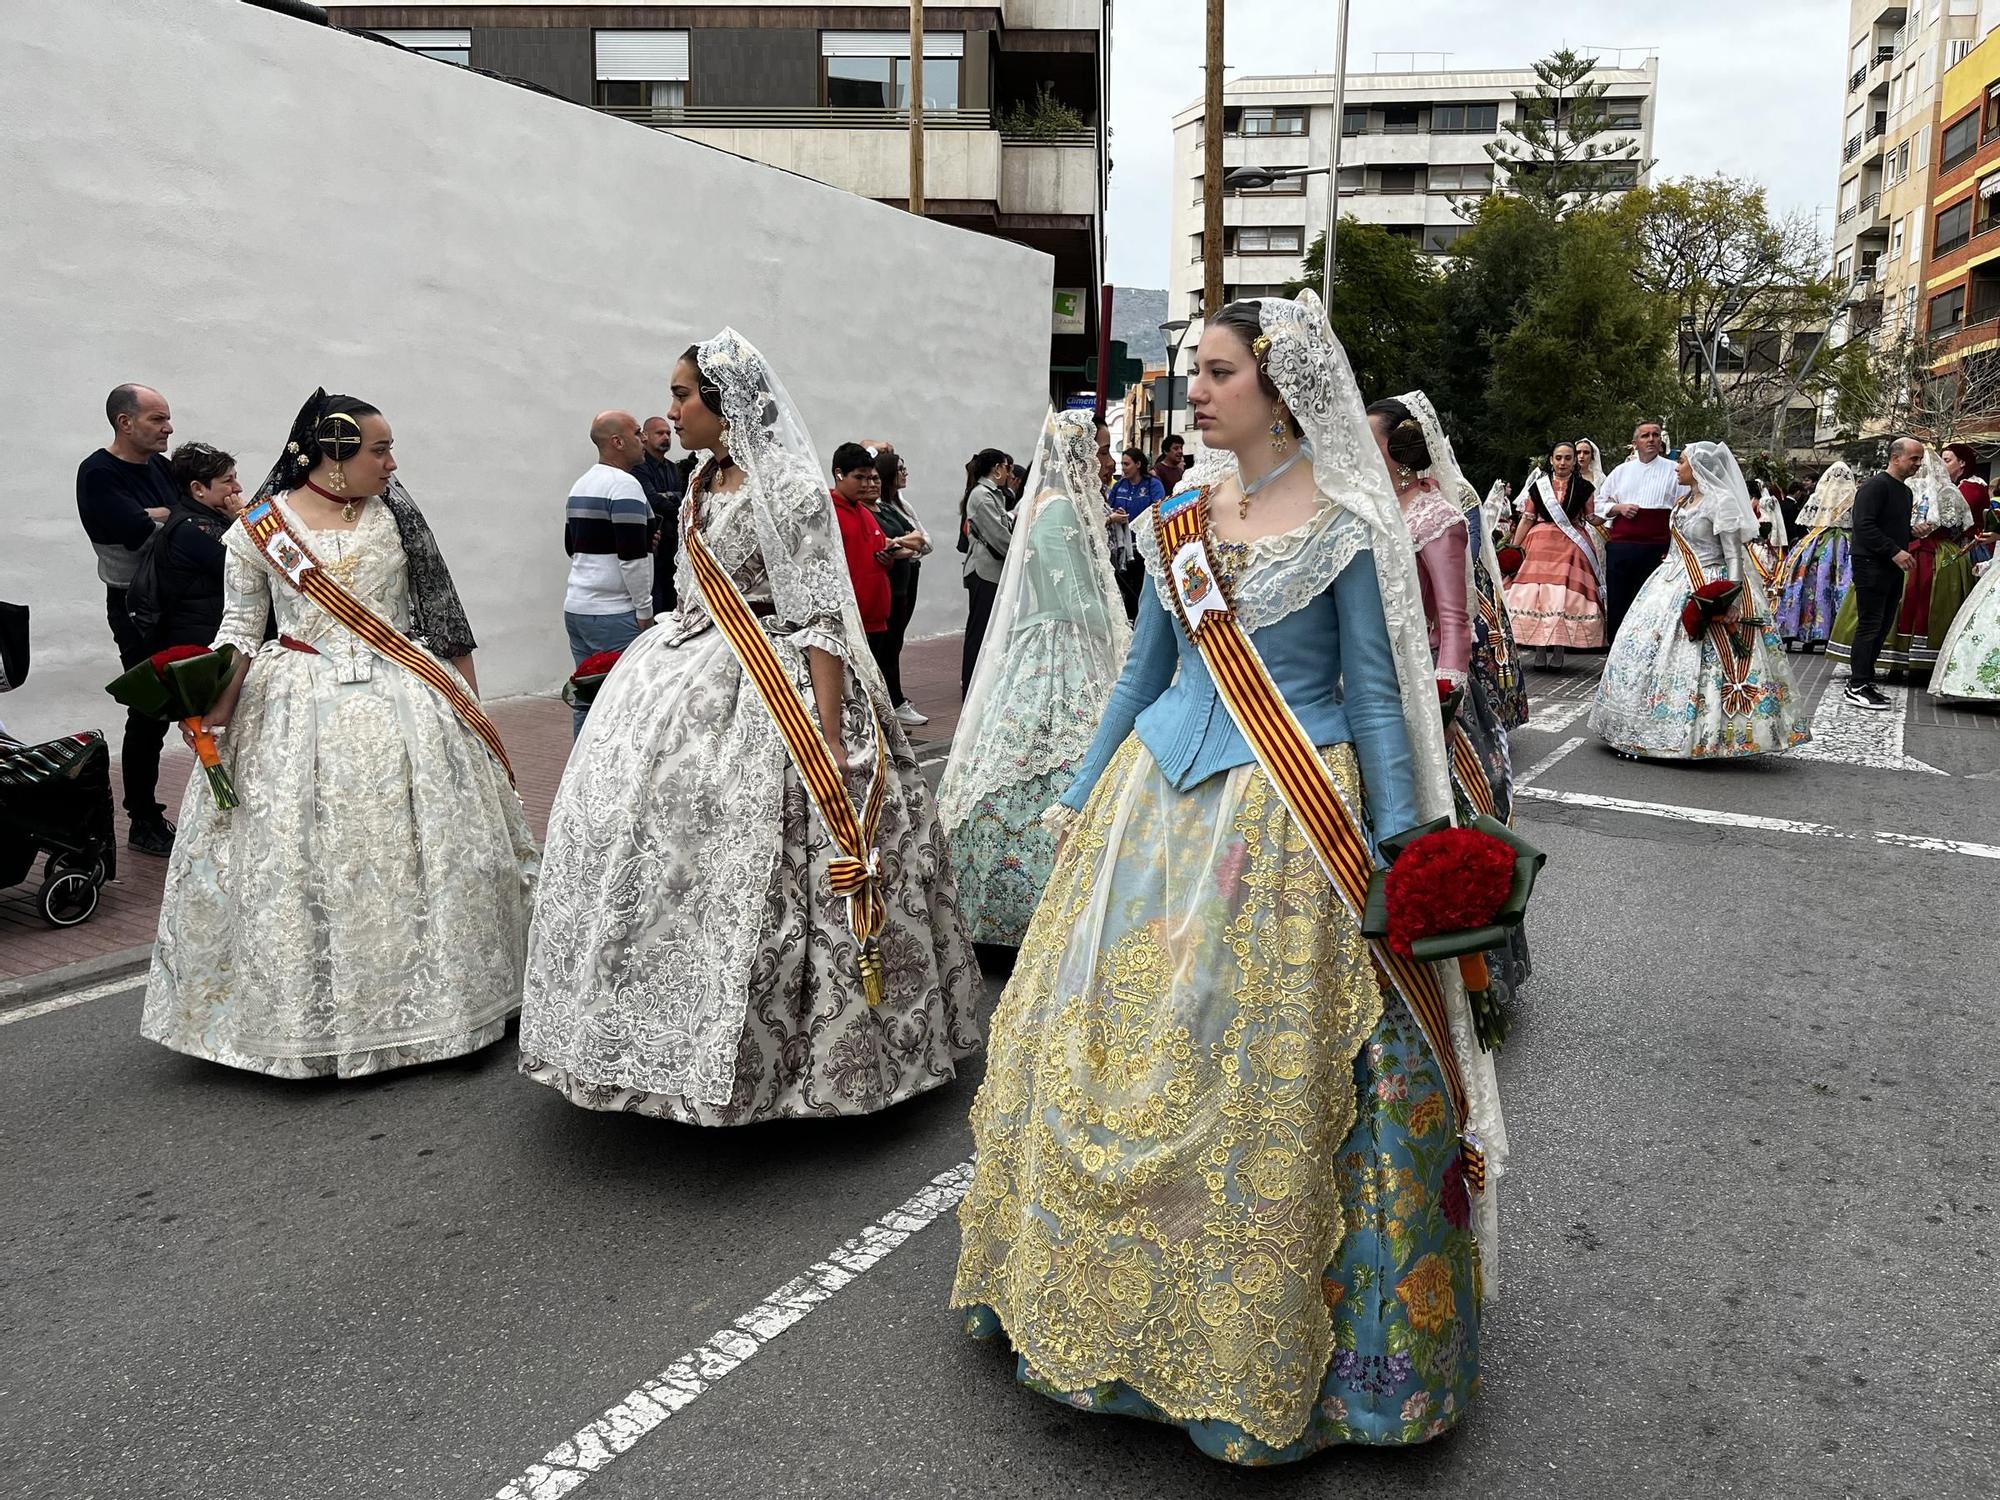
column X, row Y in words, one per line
column 906, row 713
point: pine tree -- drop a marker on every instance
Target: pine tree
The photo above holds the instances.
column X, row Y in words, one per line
column 1559, row 153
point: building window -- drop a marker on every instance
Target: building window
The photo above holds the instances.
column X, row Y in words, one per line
column 1272, row 122
column 1462, row 179
column 1439, row 238
column 1961, row 139
column 1400, row 119
column 871, row 69
column 1194, row 303
column 1947, row 310
column 1398, row 181
column 1194, row 247
column 1353, row 121
column 642, row 70
column 1406, row 231
column 444, row 46
column 1957, row 47
column 1896, row 240
column 1270, row 240
column 1352, row 178
column 1465, row 119
column 1910, row 306
column 1954, row 228
column 1624, row 114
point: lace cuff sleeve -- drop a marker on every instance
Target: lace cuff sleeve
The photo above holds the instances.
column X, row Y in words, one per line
column 246, row 603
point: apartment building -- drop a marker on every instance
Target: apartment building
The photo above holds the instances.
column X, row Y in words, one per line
column 1014, row 97
column 1413, row 145
column 1897, row 54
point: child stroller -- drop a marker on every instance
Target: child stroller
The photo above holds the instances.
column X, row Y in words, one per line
column 55, row 799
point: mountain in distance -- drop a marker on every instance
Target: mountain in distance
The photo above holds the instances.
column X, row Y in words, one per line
column 1136, row 315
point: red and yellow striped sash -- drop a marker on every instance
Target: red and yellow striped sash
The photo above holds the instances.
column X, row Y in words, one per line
column 292, row 560
column 1471, row 773
column 1739, row 698
column 1310, row 794
column 855, row 872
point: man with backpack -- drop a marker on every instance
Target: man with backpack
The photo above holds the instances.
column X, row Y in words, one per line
column 123, row 491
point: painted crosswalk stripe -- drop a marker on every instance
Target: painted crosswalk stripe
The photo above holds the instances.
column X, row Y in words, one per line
column 688, row 1378
column 1546, row 764
column 1716, row 818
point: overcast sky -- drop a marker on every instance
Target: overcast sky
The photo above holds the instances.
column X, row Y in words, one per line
column 1749, row 87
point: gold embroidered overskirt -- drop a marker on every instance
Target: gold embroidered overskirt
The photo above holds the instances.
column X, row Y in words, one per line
column 1170, row 1080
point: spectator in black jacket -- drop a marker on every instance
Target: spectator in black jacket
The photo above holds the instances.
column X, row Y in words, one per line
column 1881, row 545
column 665, row 484
column 122, row 491
column 188, row 569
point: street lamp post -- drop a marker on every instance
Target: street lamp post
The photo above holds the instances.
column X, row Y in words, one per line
column 1333, row 175
column 1176, row 331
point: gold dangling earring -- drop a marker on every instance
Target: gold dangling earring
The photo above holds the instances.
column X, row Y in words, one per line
column 336, row 479
column 1281, row 432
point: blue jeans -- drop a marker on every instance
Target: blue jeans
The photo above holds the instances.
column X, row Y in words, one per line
column 590, row 634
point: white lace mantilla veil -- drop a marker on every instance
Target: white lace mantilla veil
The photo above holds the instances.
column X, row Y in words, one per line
column 1358, row 512
column 1452, row 483
column 993, row 747
column 1595, row 473
column 1832, row 502
column 1938, row 498
column 782, row 473
column 1726, row 494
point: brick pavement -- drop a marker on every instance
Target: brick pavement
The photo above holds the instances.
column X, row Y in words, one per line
column 537, row 734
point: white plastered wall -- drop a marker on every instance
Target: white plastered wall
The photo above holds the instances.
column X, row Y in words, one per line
column 235, row 207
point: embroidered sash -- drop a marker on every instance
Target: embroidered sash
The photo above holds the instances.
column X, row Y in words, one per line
column 1739, row 698
column 856, row 872
column 1292, row 762
column 280, row 545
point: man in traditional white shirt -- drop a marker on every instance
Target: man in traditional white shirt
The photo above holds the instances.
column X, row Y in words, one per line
column 1637, row 500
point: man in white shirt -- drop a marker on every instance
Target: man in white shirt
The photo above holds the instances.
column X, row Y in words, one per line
column 607, row 531
column 1637, row 500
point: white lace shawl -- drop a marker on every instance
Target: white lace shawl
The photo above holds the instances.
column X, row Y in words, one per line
column 1832, row 502
column 1357, row 512
column 1939, row 501
column 1027, row 713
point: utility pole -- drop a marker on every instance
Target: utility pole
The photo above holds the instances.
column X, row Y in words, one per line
column 1333, row 174
column 916, row 106
column 1211, row 171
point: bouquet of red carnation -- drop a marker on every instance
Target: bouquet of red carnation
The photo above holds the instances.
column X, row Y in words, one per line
column 581, row 689
column 1707, row 604
column 184, row 683
column 1454, row 892
column 1510, row 559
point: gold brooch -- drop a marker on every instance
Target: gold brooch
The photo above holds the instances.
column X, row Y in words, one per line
column 1261, row 345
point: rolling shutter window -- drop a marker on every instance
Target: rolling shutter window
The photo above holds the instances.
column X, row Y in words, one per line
column 642, row 56
column 886, row 44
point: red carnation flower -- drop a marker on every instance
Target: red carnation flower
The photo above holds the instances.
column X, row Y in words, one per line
column 161, row 660
column 597, row 665
column 1453, row 880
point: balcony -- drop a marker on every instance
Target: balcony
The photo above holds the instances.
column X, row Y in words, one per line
column 1053, row 176
column 1052, row 15
column 1853, row 149
column 689, row 117
column 1860, row 77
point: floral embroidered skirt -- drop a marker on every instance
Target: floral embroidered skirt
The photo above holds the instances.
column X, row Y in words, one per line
column 1815, row 576
column 1554, row 599
column 1217, row 1183
column 1002, row 854
column 1968, row 667
column 1661, row 695
column 1933, row 591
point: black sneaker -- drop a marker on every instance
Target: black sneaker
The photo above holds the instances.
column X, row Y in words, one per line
column 152, row 836
column 1867, row 695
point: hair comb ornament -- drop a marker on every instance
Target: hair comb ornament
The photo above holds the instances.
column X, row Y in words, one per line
column 1261, row 345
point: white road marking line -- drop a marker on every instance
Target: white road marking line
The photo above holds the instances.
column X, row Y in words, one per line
column 1750, row 820
column 1546, row 764
column 1556, row 720
column 685, row 1380
column 74, row 997
column 1844, row 735
column 935, row 760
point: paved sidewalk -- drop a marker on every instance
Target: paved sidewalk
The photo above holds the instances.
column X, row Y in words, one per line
column 537, row 734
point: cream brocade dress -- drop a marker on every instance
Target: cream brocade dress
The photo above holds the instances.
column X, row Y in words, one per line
column 366, row 907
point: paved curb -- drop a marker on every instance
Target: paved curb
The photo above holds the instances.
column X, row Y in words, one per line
column 32, row 987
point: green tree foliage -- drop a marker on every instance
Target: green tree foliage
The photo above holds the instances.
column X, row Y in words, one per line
column 1559, row 152
column 1385, row 305
column 1588, row 353
column 1751, row 298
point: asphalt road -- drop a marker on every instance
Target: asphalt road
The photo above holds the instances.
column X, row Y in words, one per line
column 1748, row 1232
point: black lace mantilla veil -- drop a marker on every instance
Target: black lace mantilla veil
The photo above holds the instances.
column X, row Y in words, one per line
column 437, row 616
